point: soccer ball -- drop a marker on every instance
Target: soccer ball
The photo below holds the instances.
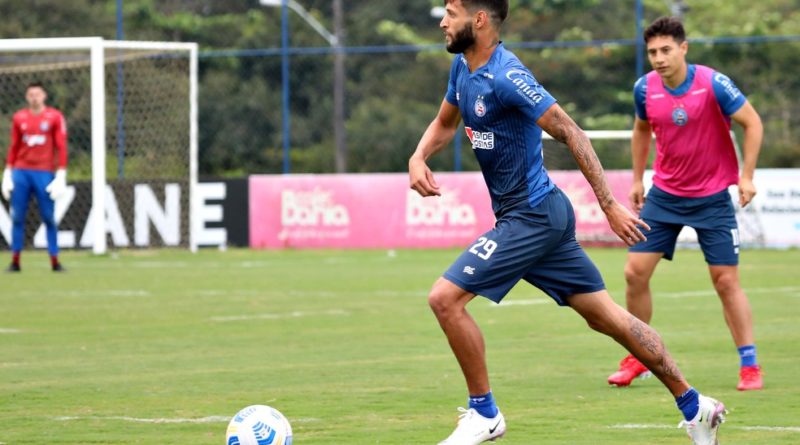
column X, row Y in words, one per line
column 259, row 425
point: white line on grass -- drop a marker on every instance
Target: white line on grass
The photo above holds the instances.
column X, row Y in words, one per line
column 9, row 331
column 650, row 426
column 207, row 419
column 99, row 293
column 753, row 290
column 683, row 294
column 274, row 316
column 780, row 429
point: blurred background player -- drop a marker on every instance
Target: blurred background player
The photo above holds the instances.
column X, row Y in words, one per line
column 36, row 165
column 505, row 110
column 689, row 109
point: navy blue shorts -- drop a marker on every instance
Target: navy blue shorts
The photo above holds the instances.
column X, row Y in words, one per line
column 712, row 217
column 535, row 244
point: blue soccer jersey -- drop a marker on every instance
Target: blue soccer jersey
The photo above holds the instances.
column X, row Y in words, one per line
column 500, row 103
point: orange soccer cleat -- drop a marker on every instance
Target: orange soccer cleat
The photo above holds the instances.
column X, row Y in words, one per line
column 750, row 378
column 629, row 369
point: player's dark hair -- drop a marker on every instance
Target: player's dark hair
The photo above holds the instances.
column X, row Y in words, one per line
column 497, row 9
column 666, row 26
column 36, row 84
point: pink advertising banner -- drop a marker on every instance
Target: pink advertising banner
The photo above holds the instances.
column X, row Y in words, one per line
column 380, row 211
column 590, row 221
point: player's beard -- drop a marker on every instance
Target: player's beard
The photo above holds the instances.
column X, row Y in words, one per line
column 462, row 40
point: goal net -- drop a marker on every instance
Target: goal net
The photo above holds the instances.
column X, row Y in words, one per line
column 131, row 112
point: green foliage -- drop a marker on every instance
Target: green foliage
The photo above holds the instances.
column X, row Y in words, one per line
column 391, row 97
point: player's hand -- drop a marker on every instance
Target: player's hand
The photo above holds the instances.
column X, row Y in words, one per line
column 8, row 183
column 625, row 224
column 636, row 196
column 58, row 185
column 421, row 178
column 747, row 190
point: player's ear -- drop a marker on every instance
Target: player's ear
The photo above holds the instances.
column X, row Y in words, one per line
column 481, row 19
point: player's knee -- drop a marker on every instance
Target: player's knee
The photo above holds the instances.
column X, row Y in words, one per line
column 440, row 304
column 437, row 302
column 604, row 326
column 726, row 283
column 634, row 275
column 596, row 326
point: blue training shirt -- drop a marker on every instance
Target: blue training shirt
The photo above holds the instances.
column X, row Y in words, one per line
column 729, row 98
column 500, row 103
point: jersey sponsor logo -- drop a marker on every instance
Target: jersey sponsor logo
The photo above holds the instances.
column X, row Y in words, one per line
column 526, row 85
column 481, row 140
column 727, row 84
column 679, row 117
column 469, row 270
column 32, row 140
column 480, row 107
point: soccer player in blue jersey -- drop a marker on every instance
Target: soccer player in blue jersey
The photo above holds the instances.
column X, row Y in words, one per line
column 505, row 110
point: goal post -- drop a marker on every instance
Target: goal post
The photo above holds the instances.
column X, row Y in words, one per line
column 131, row 109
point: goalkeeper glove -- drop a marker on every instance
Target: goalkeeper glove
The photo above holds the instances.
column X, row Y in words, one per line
column 58, row 186
column 8, row 183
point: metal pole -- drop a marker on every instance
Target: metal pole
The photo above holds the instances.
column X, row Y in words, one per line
column 120, row 99
column 639, row 39
column 285, row 83
column 339, row 131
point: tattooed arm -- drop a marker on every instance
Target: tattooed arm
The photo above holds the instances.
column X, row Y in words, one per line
column 562, row 128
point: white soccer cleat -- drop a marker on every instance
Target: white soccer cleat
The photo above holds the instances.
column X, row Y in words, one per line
column 473, row 428
column 703, row 428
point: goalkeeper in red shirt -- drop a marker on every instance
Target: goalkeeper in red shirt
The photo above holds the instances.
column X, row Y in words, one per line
column 36, row 165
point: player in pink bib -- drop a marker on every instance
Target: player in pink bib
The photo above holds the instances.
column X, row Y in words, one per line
column 689, row 109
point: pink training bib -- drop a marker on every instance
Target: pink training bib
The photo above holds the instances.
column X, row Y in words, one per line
column 695, row 156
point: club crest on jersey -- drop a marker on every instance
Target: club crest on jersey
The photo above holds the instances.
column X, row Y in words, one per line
column 481, row 140
column 479, row 108
column 44, row 126
column 679, row 117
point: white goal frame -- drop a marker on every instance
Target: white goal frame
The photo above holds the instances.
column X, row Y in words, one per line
column 97, row 47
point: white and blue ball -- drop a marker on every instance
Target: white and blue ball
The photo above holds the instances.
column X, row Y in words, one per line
column 259, row 425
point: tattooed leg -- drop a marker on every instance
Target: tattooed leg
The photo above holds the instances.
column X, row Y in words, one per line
column 646, row 345
column 604, row 315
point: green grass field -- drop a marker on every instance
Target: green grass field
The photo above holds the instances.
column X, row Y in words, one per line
column 163, row 347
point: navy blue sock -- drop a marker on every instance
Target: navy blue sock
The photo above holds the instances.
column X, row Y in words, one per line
column 747, row 355
column 689, row 403
column 484, row 405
